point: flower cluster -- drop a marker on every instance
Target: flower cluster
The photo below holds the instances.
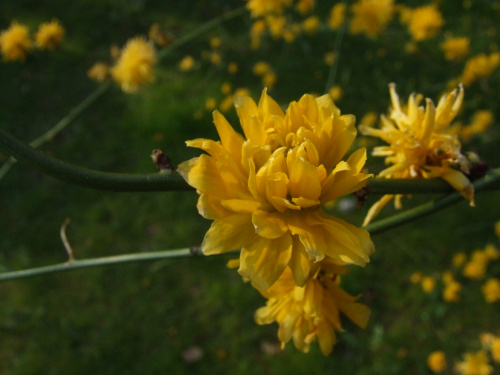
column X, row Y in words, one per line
column 265, row 193
column 135, row 65
column 419, row 145
column 16, row 42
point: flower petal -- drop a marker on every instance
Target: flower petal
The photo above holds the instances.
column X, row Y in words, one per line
column 229, row 233
column 264, row 260
column 269, row 224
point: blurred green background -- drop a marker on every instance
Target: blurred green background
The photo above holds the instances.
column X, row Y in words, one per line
column 194, row 315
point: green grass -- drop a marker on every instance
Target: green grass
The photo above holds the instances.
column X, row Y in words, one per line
column 141, row 318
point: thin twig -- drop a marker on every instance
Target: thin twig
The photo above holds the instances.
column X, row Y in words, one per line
column 65, row 241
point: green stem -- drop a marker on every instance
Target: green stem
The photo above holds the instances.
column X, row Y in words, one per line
column 336, row 53
column 87, row 177
column 167, row 181
column 490, row 180
column 60, row 125
column 201, row 30
column 98, row 262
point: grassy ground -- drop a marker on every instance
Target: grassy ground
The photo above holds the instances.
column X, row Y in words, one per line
column 148, row 318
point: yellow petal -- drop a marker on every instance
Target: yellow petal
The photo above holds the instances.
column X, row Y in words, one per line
column 242, row 205
column 304, row 180
column 268, row 106
column 248, row 114
column 269, row 224
column 231, row 140
column 229, row 233
column 376, row 208
column 202, row 174
column 264, row 260
column 302, row 266
column 211, row 208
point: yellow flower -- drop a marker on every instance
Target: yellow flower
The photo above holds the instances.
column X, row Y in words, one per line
column 337, row 16
column 419, row 145
column 232, row 68
column 428, row 284
column 474, row 270
column 259, row 8
column 371, row 16
column 49, row 35
column 459, row 259
column 451, row 292
column 135, row 65
column 479, row 66
column 15, row 42
column 369, row 119
column 497, row 229
column 210, row 104
column 329, row 58
column 226, row 88
column 276, row 25
column 336, row 93
column 265, row 192
column 481, row 121
column 311, row 24
column 269, row 80
column 312, row 312
column 437, row 361
column 495, row 349
column 455, row 48
column 261, row 68
column 425, row 22
column 491, row 252
column 98, row 72
column 158, row 36
column 186, row 64
column 305, row 6
column 258, row 27
column 215, row 42
column 416, row 277
column 491, row 290
column 474, row 364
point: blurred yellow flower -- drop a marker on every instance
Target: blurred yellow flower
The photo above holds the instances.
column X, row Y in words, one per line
column 49, row 35
column 305, row 6
column 337, row 16
column 481, row 121
column 437, row 361
column 474, row 270
column 265, row 192
column 369, row 119
column 276, row 25
column 135, row 65
column 455, row 48
column 425, row 22
column 495, row 349
column 428, row 284
column 312, row 312
column 226, row 104
column 215, row 42
column 98, row 72
column 15, row 42
column 269, row 80
column 311, row 24
column 226, row 88
column 186, row 64
column 336, row 93
column 260, row 68
column 479, row 66
column 210, row 104
column 256, row 31
column 451, row 292
column 158, row 36
column 458, row 259
column 419, row 145
column 491, row 252
column 474, row 364
column 329, row 58
column 259, row 8
column 232, row 68
column 491, row 290
column 215, row 58
column 416, row 277
column 371, row 16
column 497, row 229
